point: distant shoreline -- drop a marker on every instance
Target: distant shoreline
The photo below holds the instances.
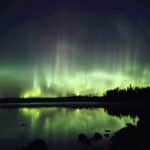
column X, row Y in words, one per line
column 77, row 102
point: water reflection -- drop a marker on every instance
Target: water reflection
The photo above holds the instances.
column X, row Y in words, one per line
column 68, row 123
column 59, row 123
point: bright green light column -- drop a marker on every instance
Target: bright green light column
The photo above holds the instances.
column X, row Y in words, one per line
column 93, row 83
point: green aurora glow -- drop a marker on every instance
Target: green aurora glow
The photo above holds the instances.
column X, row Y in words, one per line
column 68, row 70
column 39, row 83
column 71, row 51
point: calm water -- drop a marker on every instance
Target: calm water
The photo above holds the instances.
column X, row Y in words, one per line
column 57, row 125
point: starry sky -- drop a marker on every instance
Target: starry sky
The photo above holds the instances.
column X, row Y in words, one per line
column 60, row 48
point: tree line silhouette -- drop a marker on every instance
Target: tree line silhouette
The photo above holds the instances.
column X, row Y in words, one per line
column 129, row 94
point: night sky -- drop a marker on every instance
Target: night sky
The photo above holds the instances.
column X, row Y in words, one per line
column 63, row 48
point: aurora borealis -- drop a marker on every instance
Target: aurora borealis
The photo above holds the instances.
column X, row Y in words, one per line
column 59, row 49
column 58, row 59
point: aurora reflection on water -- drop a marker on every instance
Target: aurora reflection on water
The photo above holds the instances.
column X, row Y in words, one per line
column 59, row 123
